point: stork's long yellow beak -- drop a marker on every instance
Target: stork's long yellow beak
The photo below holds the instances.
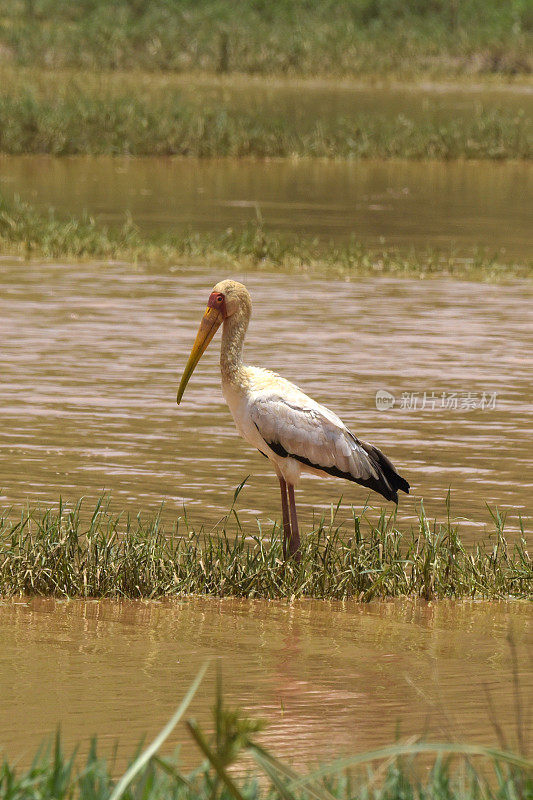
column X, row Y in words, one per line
column 209, row 325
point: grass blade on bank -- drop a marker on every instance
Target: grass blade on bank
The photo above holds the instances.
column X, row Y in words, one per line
column 399, row 750
column 147, row 754
column 200, row 740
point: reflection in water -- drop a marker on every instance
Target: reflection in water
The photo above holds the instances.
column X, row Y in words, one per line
column 449, row 206
column 330, row 678
column 92, row 356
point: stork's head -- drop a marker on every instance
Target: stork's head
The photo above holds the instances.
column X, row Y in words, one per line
column 228, row 299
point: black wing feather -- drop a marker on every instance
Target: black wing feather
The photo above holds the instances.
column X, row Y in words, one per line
column 387, row 483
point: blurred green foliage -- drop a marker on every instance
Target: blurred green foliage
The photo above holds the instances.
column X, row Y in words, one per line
column 302, row 37
column 63, row 114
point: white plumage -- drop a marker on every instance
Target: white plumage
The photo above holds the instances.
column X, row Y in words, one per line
column 296, row 433
column 274, row 415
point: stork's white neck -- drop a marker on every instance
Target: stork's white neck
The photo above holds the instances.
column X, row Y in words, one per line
column 233, row 333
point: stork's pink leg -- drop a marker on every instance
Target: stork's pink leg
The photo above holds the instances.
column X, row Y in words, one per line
column 285, row 514
column 294, row 541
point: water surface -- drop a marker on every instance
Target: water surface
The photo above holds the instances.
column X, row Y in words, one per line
column 302, row 100
column 330, row 678
column 453, row 207
column 92, row 356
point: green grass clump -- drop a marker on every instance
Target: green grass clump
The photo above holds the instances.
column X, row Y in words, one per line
column 63, row 115
column 298, row 37
column 31, row 234
column 456, row 772
column 56, row 553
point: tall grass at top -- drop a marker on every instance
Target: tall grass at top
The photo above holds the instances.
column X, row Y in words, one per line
column 350, row 37
column 62, row 552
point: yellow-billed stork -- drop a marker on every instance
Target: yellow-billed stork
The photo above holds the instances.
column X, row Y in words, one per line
column 284, row 424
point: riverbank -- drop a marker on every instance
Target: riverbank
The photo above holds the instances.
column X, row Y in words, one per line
column 27, row 233
column 78, row 553
column 137, row 113
column 353, row 37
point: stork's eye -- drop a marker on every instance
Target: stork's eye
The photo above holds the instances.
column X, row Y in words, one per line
column 220, row 298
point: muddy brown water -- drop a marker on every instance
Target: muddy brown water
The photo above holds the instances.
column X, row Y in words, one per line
column 456, row 206
column 92, row 356
column 330, row 678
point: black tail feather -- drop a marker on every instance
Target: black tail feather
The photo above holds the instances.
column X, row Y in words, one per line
column 389, row 479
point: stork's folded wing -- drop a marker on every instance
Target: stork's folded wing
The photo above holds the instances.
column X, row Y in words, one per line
column 317, row 438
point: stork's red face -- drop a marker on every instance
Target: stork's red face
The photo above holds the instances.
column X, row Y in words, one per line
column 215, row 314
column 217, row 300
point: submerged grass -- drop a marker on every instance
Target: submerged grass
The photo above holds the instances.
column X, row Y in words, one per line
column 135, row 114
column 456, row 771
column 54, row 552
column 28, row 233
